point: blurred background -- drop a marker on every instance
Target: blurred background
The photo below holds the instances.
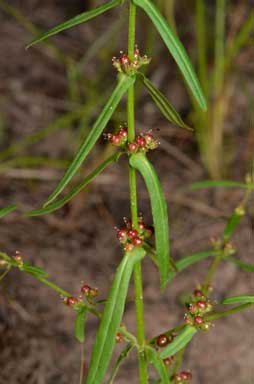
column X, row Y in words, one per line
column 49, row 97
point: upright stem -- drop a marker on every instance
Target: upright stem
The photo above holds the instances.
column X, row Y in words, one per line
column 134, row 207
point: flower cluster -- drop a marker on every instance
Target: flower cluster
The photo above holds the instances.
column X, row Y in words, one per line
column 87, row 293
column 182, row 377
column 131, row 237
column 142, row 143
column 124, row 64
column 199, row 305
column 119, row 139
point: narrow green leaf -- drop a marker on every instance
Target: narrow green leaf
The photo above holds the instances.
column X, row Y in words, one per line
column 241, row 264
column 232, row 223
column 88, row 179
column 179, row 342
column 83, row 17
column 158, row 364
column 176, row 49
column 79, row 328
column 123, row 84
column 5, row 211
column 163, row 103
column 218, row 184
column 112, row 316
column 123, row 355
column 159, row 211
column 241, row 299
column 36, row 271
column 185, row 262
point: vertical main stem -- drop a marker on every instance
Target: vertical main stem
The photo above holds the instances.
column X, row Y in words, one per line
column 134, row 207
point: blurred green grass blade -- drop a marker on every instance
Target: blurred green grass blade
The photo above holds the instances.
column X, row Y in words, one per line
column 122, row 86
column 179, row 342
column 5, row 211
column 74, row 191
column 159, row 211
column 123, row 355
column 79, row 327
column 176, row 49
column 112, row 316
column 158, row 364
column 239, row 40
column 232, row 223
column 83, row 17
column 185, row 262
column 241, row 264
column 241, row 299
column 218, row 184
column 163, row 103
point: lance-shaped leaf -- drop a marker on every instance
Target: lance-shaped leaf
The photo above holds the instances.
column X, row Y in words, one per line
column 112, row 316
column 79, row 328
column 158, row 364
column 241, row 299
column 88, row 179
column 5, row 211
column 159, row 211
column 176, row 49
column 163, row 103
column 179, row 342
column 83, row 17
column 218, row 184
column 186, row 261
column 123, row 84
column 35, row 271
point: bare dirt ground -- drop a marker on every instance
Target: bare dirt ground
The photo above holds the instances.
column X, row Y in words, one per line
column 37, row 345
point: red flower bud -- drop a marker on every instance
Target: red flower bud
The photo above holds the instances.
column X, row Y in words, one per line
column 137, row 241
column 198, row 320
column 119, row 338
column 132, row 147
column 198, row 293
column 122, row 235
column 141, row 141
column 71, row 301
column 132, row 233
column 115, row 140
column 201, row 304
column 85, row 289
column 162, row 341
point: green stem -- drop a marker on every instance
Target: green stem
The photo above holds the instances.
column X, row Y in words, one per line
column 212, row 271
column 134, row 207
column 82, row 360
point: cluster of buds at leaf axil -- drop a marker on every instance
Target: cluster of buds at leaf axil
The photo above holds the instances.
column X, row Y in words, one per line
column 182, row 377
column 87, row 293
column 129, row 66
column 198, row 307
column 142, row 143
column 131, row 237
column 118, row 139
